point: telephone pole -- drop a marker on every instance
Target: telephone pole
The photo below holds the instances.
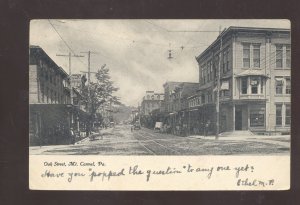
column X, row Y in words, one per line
column 218, row 91
column 70, row 57
column 89, row 64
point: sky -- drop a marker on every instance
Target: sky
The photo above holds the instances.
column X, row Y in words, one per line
column 135, row 51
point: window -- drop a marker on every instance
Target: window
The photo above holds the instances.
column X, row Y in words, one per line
column 262, row 86
column 287, row 114
column 225, row 58
column 279, row 85
column 202, row 99
column 257, row 119
column 208, row 72
column 51, row 96
column 279, row 114
column 216, row 64
column 288, row 85
column 256, row 55
column 42, row 91
column 246, row 55
column 244, row 85
column 47, row 94
column 254, row 82
column 279, row 56
column 283, row 85
column 288, row 56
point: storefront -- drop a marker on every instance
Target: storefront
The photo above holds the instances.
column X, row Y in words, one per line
column 250, row 116
column 51, row 124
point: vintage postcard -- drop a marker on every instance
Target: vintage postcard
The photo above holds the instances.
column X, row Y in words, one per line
column 147, row 104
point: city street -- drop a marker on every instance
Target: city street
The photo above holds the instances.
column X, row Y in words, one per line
column 121, row 141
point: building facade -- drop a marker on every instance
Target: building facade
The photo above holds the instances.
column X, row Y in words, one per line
column 52, row 113
column 151, row 101
column 252, row 66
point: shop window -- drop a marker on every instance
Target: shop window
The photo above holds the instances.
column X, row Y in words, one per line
column 244, row 85
column 257, row 119
column 279, row 114
column 287, row 114
column 246, row 55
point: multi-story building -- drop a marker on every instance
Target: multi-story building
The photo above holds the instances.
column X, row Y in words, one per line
column 255, row 85
column 179, row 119
column 151, row 101
column 51, row 111
column 169, row 88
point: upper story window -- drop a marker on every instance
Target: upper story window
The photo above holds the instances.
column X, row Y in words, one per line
column 202, row 99
column 251, row 55
column 246, row 55
column 256, row 55
column 225, row 65
column 252, row 85
column 244, row 85
column 279, row 56
column 283, row 56
column 283, row 85
column 288, row 56
column 254, row 82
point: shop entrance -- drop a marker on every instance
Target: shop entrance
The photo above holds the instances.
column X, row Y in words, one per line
column 238, row 119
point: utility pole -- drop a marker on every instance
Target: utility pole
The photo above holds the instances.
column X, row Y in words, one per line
column 70, row 72
column 218, row 91
column 69, row 56
column 89, row 80
column 89, row 64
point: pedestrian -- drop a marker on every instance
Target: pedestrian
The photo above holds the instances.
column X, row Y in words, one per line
column 207, row 127
column 72, row 136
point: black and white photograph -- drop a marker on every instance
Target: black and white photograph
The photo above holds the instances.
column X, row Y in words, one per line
column 158, row 104
column 160, row 87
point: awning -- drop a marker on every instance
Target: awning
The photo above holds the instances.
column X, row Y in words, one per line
column 251, row 72
column 193, row 110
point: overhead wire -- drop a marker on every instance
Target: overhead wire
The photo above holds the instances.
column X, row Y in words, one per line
column 69, row 47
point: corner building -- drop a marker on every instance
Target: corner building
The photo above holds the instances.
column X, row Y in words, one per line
column 255, row 84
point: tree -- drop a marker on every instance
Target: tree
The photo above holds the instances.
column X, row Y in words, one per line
column 100, row 93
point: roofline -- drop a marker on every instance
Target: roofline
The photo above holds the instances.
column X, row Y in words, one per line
column 52, row 61
column 236, row 28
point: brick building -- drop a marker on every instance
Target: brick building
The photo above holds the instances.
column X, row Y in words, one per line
column 255, row 84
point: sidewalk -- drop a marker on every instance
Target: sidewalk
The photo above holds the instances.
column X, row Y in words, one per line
column 283, row 140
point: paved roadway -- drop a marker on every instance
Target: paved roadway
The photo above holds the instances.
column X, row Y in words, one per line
column 121, row 141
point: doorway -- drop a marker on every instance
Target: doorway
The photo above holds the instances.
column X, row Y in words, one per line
column 238, row 120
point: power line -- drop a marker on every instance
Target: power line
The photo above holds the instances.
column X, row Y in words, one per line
column 64, row 40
